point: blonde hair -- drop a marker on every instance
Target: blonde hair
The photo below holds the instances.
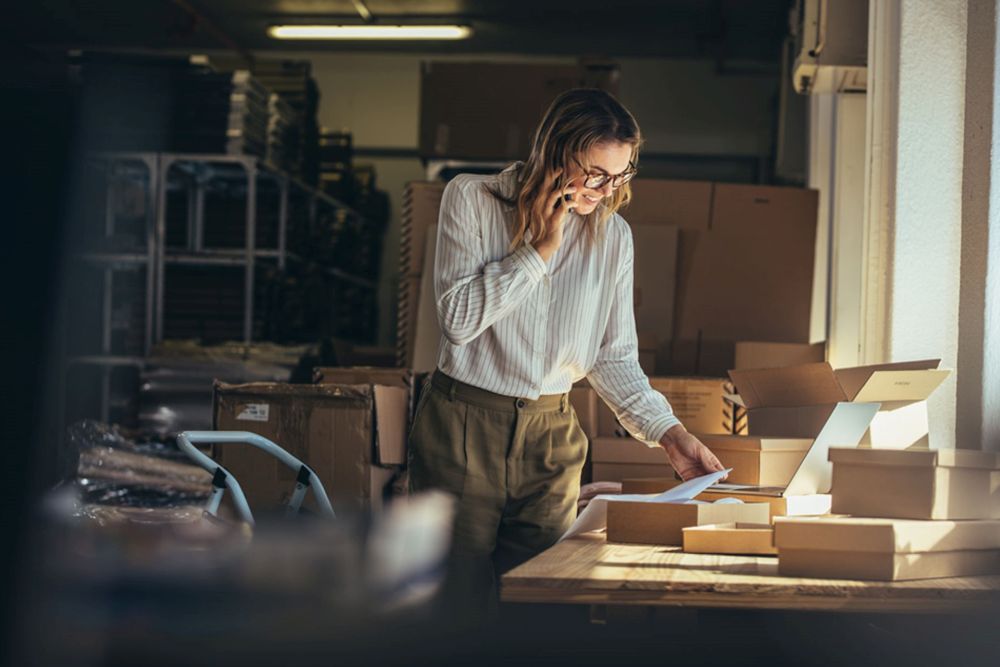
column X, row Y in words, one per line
column 575, row 122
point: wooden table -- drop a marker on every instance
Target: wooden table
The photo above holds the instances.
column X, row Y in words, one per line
column 589, row 570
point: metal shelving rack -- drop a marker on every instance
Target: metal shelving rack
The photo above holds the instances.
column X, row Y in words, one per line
column 198, row 171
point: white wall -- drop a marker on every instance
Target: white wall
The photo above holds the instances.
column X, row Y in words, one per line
column 683, row 107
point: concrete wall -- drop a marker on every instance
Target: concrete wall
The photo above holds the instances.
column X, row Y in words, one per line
column 683, row 107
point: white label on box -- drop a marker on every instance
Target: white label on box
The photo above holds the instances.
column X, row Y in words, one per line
column 254, row 412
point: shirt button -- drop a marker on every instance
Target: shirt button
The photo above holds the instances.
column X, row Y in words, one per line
column 520, row 402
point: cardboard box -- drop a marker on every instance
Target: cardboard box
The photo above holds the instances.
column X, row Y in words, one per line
column 756, row 539
column 795, row 401
column 655, row 278
column 488, row 111
column 387, row 377
column 342, row 432
column 756, row 460
column 912, row 484
column 700, row 404
column 407, row 305
column 627, row 450
column 662, row 523
column 995, row 493
column 419, row 211
column 886, row 549
column 584, row 401
column 805, row 505
column 754, row 354
column 617, row 472
column 744, row 268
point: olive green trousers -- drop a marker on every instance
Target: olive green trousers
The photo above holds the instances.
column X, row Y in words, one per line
column 513, row 464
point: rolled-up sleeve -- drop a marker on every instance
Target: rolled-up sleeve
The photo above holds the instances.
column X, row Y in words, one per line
column 472, row 293
column 617, row 376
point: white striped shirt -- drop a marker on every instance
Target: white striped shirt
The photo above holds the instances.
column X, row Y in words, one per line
column 518, row 326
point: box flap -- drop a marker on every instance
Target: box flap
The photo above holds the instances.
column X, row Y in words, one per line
column 945, row 458
column 853, row 379
column 885, row 386
column 884, row 535
column 391, row 410
column 791, row 386
column 845, row 427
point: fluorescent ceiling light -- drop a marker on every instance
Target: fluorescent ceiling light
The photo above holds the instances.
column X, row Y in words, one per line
column 369, row 31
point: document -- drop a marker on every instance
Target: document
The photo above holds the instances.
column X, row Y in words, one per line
column 595, row 515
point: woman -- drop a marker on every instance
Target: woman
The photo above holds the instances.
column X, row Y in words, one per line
column 533, row 280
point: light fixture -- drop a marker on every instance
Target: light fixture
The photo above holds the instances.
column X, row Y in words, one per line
column 369, row 31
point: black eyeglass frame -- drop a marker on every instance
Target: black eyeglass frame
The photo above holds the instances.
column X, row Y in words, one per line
column 604, row 177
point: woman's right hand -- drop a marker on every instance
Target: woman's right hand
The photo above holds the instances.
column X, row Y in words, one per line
column 558, row 203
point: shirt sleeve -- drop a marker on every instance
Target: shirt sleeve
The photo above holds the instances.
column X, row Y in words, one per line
column 472, row 293
column 617, row 376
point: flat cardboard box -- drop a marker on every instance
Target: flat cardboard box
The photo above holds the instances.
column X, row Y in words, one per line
column 757, row 460
column 747, row 539
column 419, row 210
column 795, row 399
column 805, row 505
column 584, row 401
column 886, row 549
column 756, row 354
column 407, row 305
column 663, row 523
column 618, row 472
column 627, row 450
column 489, row 110
column 427, row 339
column 912, row 484
column 342, row 432
column 995, row 493
column 654, row 284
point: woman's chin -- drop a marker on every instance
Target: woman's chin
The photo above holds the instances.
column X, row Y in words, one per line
column 586, row 208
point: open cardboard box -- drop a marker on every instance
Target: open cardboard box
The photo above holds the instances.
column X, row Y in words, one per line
column 758, row 461
column 807, row 493
column 912, row 483
column 886, row 549
column 663, row 523
column 795, row 401
column 731, row 538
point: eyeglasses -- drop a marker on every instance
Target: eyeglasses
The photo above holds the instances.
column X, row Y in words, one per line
column 596, row 181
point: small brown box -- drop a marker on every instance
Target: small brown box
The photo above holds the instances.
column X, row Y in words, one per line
column 662, row 523
column 912, row 483
column 886, row 549
column 758, row 461
column 731, row 538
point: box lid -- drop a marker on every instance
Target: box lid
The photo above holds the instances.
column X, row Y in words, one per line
column 750, row 443
column 818, row 383
column 924, row 458
column 884, row 535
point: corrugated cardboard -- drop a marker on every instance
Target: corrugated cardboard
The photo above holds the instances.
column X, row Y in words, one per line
column 886, row 549
column 627, row 450
column 340, row 431
column 420, row 207
column 406, row 319
column 755, row 539
column 700, row 404
column 756, row 460
column 655, row 276
column 584, row 401
column 427, row 339
column 995, row 493
column 912, row 484
column 488, row 111
column 662, row 523
column 806, row 505
column 755, row 354
column 388, row 377
column 774, row 396
column 617, row 472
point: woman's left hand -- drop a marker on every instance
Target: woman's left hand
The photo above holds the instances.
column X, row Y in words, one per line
column 688, row 455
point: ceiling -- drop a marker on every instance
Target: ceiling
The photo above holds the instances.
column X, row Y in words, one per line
column 723, row 30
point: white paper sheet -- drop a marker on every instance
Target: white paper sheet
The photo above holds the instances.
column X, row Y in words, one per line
column 595, row 516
